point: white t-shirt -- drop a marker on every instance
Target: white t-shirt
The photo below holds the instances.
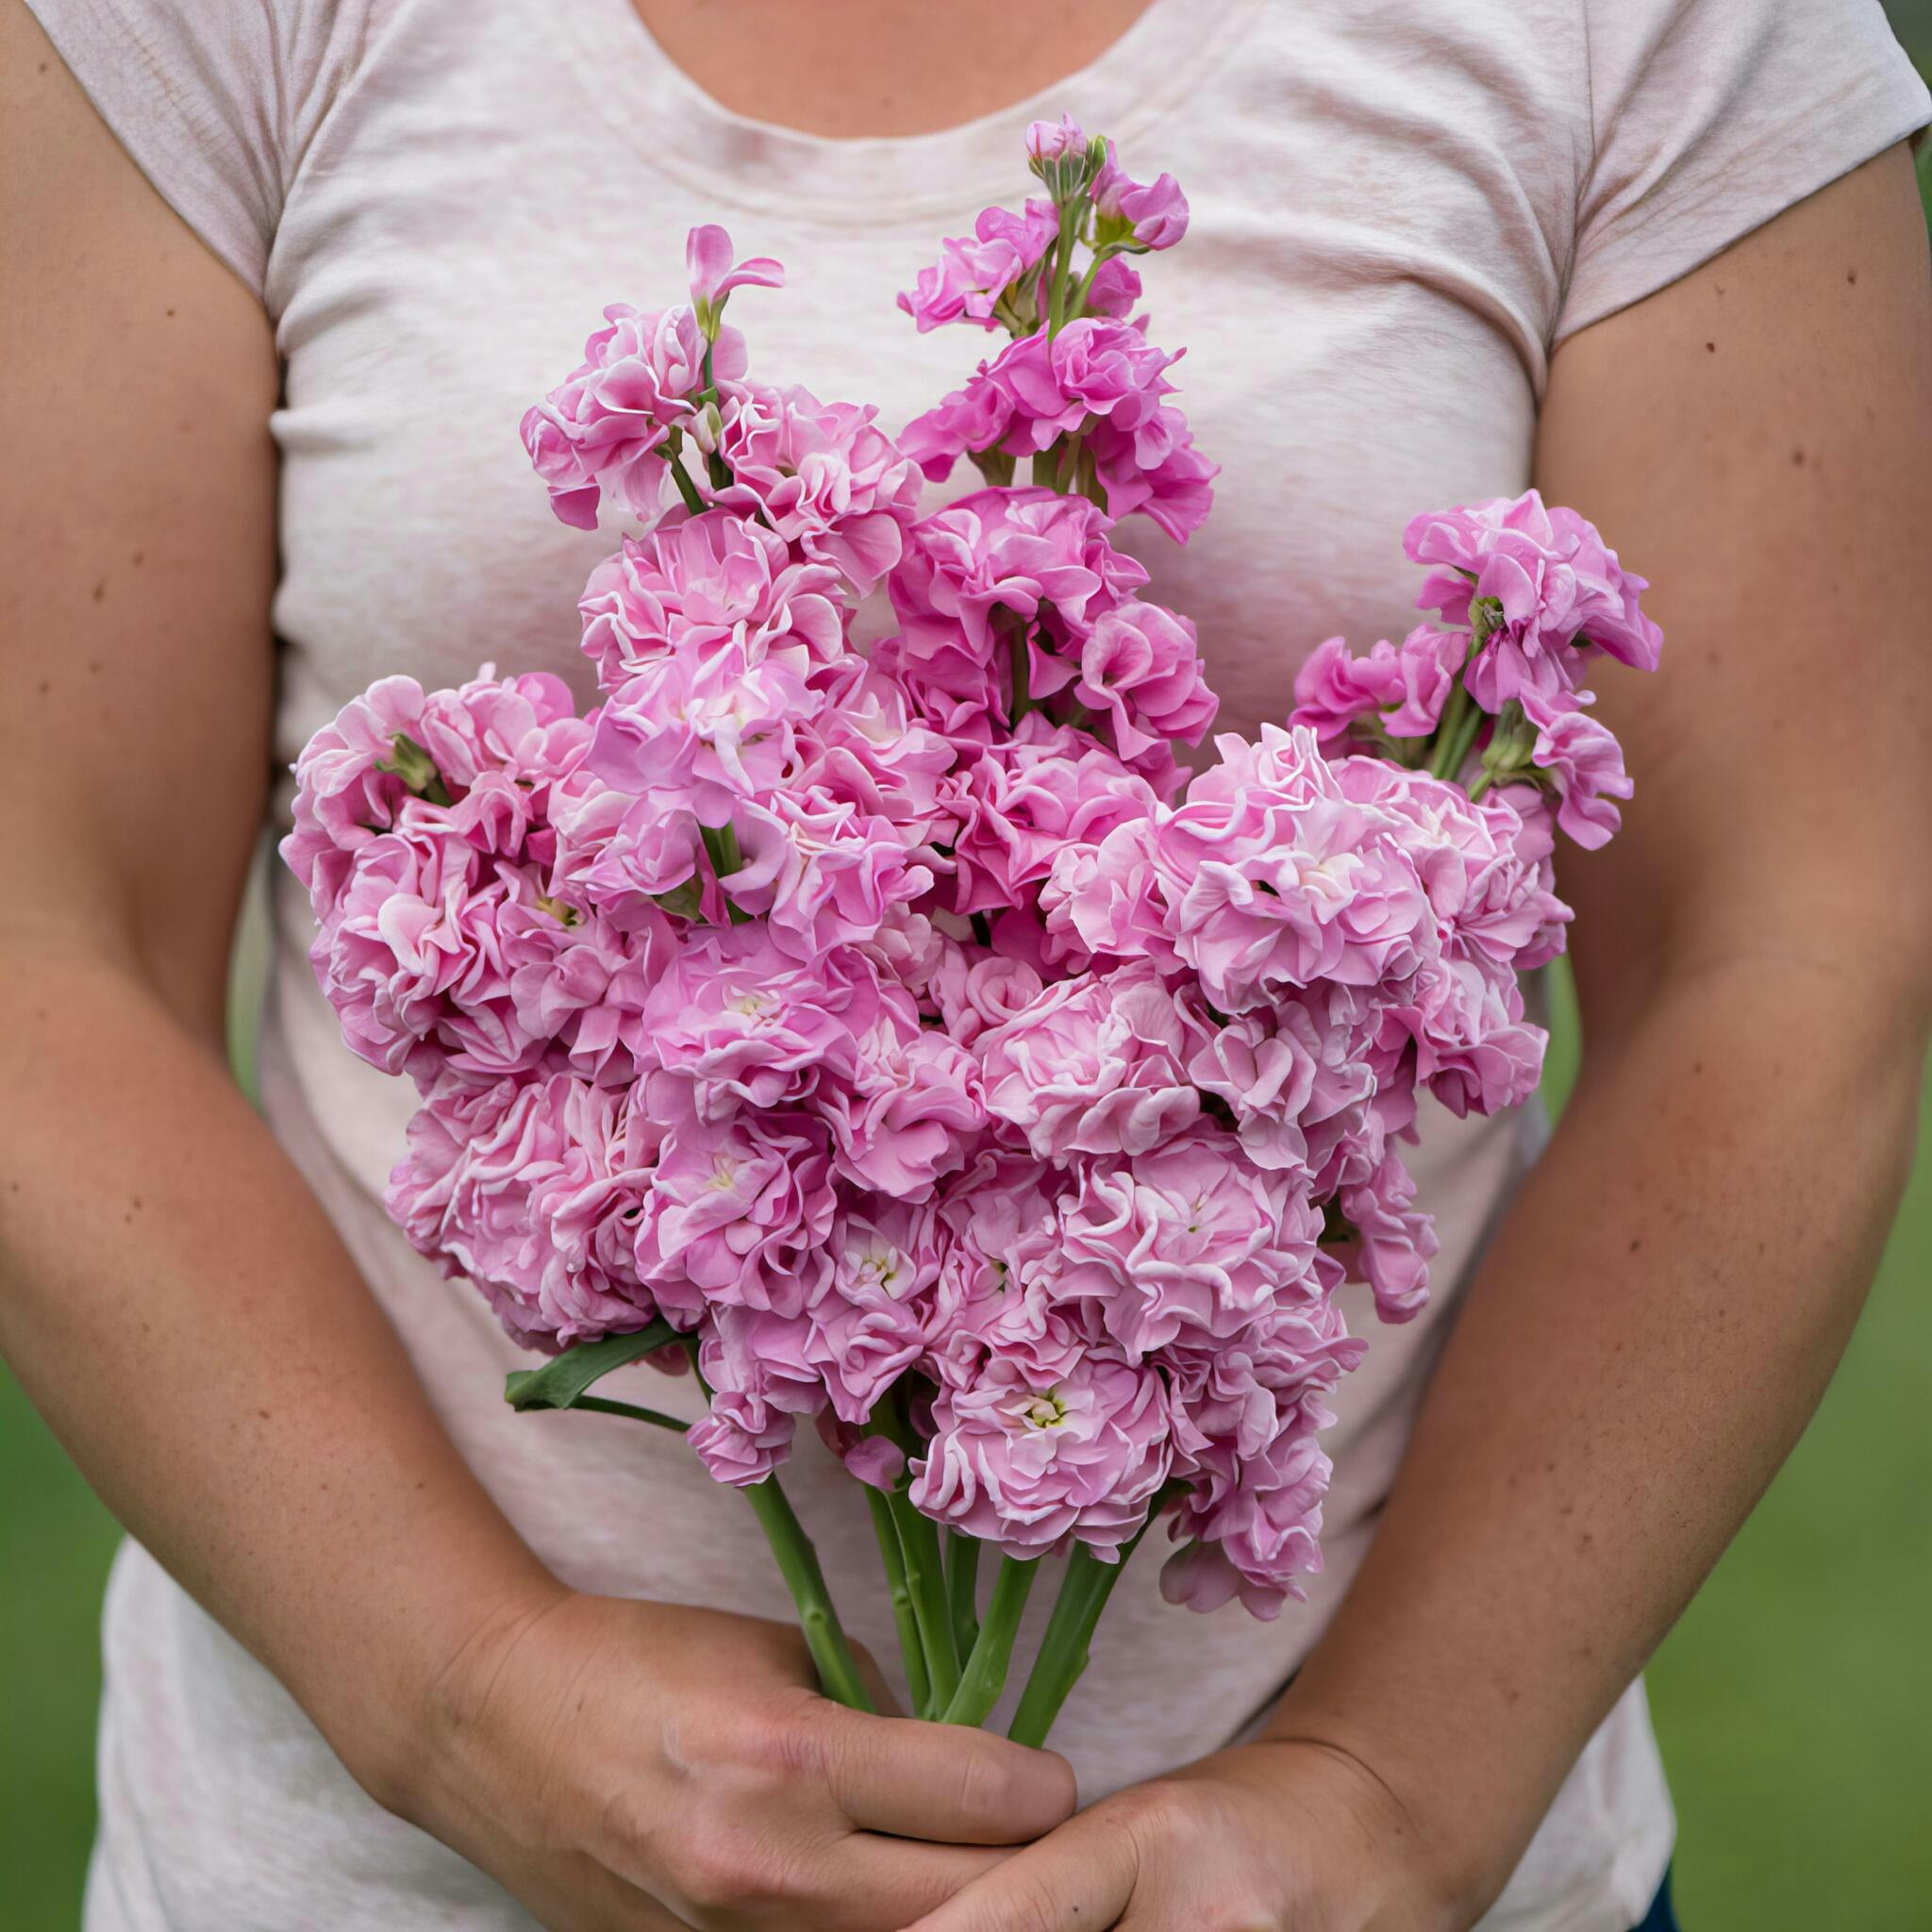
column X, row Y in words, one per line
column 1399, row 209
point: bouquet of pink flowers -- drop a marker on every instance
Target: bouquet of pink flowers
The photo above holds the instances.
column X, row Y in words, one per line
column 902, row 1038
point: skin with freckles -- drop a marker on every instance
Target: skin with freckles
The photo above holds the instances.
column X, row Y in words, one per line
column 1650, row 1332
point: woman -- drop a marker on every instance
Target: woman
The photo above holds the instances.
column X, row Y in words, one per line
column 384, row 1655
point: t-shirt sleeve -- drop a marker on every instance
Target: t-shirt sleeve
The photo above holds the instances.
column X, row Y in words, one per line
column 1710, row 117
column 215, row 100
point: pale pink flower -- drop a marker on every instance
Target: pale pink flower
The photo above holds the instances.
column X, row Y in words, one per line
column 702, row 583
column 1554, row 588
column 1189, row 1238
column 1140, row 667
column 1155, row 211
column 910, row 1113
column 1024, row 1467
column 713, row 274
column 1095, row 1064
column 1401, row 688
column 1584, row 766
column 605, row 426
column 973, row 273
column 824, row 478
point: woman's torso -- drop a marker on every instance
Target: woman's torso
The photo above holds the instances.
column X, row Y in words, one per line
column 1376, row 264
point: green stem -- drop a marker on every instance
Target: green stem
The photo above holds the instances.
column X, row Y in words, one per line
column 985, row 1675
column 1063, row 1650
column 1448, row 730
column 1022, row 663
column 656, row 1418
column 1062, row 263
column 912, row 1652
column 798, row 1562
column 962, row 1589
column 925, row 1587
column 686, row 488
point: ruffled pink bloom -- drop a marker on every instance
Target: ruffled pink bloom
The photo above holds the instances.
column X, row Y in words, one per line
column 1190, row 1239
column 1255, row 1530
column 908, row 1116
column 757, row 1362
column 824, row 477
column 1140, row 667
column 1276, row 878
column 1022, row 803
column 1555, row 587
column 973, row 272
column 1095, row 1064
column 1156, row 212
column 822, row 872
column 1153, row 470
column 1584, row 764
column 1024, row 1467
column 1109, row 897
column 738, row 1214
column 704, row 732
column 1395, row 1240
column 700, row 584
column 738, row 1023
column 605, row 426
column 1030, row 559
column 971, row 990
column 870, row 1319
column 866, row 749
column 1043, row 386
column 532, row 1191
column 1400, row 687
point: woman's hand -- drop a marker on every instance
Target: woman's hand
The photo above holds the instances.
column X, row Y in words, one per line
column 1262, row 1837
column 646, row 1766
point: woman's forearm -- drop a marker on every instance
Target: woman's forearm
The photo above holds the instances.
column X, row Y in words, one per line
column 1644, row 1342
column 179, row 1309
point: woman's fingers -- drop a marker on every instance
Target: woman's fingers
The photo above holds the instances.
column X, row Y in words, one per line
column 1079, row 1878
column 946, row 1783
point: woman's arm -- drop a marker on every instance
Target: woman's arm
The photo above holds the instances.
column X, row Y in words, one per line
column 170, row 1296
column 1651, row 1330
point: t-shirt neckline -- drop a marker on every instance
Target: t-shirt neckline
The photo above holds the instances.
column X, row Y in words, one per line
column 730, row 158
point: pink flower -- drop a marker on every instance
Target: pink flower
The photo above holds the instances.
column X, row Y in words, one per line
column 756, row 1361
column 1095, row 1064
column 1275, row 879
column 1155, row 214
column 1001, row 557
column 910, row 1113
column 1406, row 685
column 974, row 273
column 869, row 1320
column 1190, row 1239
column 866, row 749
column 1109, row 897
column 1584, row 765
column 713, row 275
column 1022, row 803
column 1255, row 1529
column 740, row 1024
column 605, row 426
column 1141, row 667
column 1153, row 470
column 1054, row 141
column 1394, row 1240
column 707, row 732
column 704, row 582
column 823, row 477
column 822, row 872
column 1024, row 1467
column 1114, row 290
column 1550, row 588
column 531, row 1191
column 738, row 1214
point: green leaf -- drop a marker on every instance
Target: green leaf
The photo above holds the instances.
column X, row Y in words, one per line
column 559, row 1384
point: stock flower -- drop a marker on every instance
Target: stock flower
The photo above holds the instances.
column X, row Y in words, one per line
column 1401, row 686
column 1255, row 1530
column 1156, row 212
column 1024, row 1467
column 713, row 274
column 1189, row 1240
column 1584, row 765
column 1141, row 667
column 1553, row 590
column 823, row 477
column 702, row 583
column 605, row 426
column 973, row 272
column 1094, row 1064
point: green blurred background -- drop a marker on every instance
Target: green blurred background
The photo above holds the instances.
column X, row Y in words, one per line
column 1793, row 1699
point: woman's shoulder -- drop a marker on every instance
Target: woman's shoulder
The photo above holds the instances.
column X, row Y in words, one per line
column 218, row 103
